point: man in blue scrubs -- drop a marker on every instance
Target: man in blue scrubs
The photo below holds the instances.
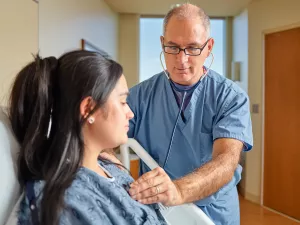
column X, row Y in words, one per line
column 194, row 124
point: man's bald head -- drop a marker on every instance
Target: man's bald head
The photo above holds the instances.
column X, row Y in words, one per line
column 187, row 11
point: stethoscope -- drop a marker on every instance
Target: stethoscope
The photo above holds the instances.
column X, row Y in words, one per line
column 182, row 103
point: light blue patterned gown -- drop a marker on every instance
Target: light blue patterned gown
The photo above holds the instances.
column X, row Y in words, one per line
column 95, row 200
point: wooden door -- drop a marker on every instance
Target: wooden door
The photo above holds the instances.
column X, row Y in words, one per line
column 282, row 122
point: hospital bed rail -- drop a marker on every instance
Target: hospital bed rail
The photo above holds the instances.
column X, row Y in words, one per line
column 187, row 214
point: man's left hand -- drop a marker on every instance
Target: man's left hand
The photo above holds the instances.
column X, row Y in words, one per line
column 156, row 186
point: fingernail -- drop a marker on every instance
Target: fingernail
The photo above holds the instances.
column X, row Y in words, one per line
column 134, row 197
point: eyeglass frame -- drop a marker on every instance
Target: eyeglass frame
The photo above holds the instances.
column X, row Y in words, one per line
column 184, row 49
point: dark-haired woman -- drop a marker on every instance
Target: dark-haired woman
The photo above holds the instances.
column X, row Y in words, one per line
column 64, row 112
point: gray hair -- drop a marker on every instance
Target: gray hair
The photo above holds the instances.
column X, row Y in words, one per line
column 186, row 11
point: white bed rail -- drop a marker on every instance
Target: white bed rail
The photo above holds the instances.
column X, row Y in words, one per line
column 187, row 214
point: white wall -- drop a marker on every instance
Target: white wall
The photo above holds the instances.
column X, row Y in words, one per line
column 18, row 39
column 240, row 46
column 129, row 46
column 240, row 54
column 264, row 16
column 62, row 24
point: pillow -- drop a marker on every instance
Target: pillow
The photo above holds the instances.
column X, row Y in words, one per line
column 13, row 218
column 9, row 185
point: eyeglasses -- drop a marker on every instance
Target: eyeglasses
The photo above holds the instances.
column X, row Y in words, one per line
column 174, row 50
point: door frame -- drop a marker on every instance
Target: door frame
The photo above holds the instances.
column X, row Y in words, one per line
column 264, row 33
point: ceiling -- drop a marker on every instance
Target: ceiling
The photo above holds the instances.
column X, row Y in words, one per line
column 214, row 8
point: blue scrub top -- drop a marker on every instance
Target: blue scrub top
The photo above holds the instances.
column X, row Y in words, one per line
column 218, row 108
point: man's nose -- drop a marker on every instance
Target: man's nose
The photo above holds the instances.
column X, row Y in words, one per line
column 182, row 57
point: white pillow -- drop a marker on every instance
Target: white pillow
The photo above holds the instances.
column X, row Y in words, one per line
column 9, row 185
column 13, row 218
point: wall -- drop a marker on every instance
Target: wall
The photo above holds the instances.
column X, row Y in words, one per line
column 264, row 16
column 240, row 46
column 18, row 39
column 240, row 54
column 129, row 42
column 62, row 24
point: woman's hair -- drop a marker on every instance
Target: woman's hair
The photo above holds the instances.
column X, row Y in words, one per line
column 53, row 89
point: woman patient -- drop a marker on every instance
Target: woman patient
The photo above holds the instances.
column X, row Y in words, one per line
column 64, row 112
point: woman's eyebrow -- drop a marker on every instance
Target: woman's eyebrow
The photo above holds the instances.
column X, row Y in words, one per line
column 124, row 93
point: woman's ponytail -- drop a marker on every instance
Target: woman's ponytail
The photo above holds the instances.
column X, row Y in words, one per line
column 30, row 112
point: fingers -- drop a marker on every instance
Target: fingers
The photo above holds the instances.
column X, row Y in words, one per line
column 166, row 197
column 163, row 198
column 155, row 186
column 150, row 187
column 148, row 180
column 147, row 177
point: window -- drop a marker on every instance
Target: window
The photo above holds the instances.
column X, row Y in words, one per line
column 218, row 33
column 150, row 47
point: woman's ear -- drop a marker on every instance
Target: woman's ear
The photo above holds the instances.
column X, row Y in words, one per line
column 86, row 106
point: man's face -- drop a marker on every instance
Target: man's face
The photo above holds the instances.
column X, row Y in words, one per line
column 186, row 33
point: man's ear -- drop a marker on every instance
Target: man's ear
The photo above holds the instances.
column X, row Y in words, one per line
column 162, row 42
column 210, row 46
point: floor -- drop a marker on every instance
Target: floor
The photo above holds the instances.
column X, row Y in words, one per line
column 253, row 214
